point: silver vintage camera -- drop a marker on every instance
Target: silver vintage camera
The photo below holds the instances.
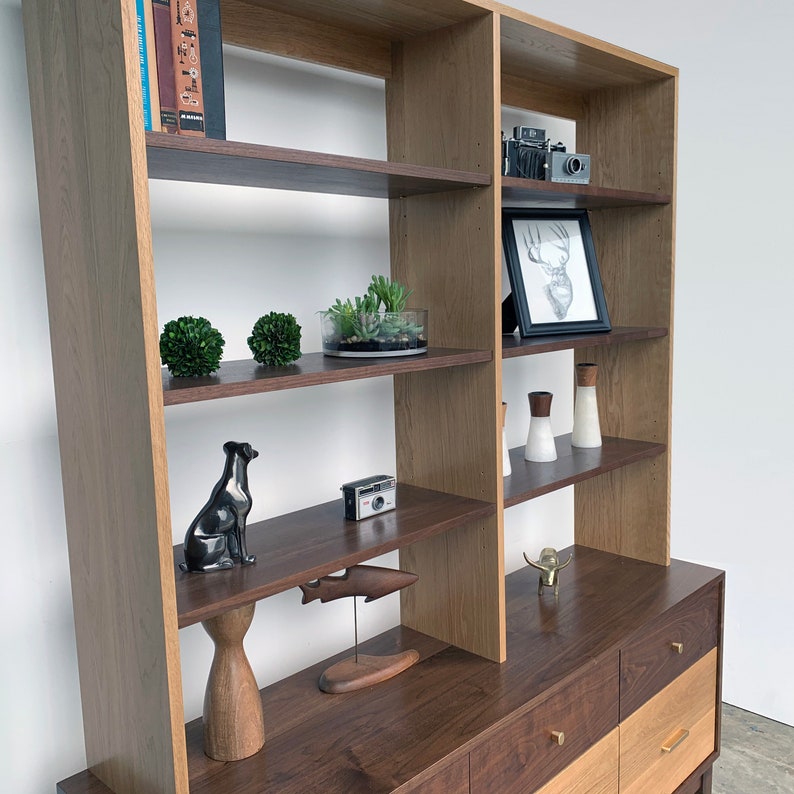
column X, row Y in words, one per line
column 530, row 155
column 370, row 496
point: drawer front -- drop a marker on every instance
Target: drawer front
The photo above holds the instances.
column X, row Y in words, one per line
column 668, row 646
column 452, row 779
column 540, row 743
column 665, row 740
column 595, row 772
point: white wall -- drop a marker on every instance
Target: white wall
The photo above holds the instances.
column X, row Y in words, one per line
column 732, row 471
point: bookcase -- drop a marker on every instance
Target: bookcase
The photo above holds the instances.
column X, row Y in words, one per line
column 500, row 666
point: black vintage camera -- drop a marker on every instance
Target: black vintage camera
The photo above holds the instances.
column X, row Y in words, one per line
column 370, row 496
column 531, row 155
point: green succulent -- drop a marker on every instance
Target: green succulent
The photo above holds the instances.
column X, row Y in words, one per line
column 392, row 294
column 191, row 346
column 275, row 339
column 361, row 319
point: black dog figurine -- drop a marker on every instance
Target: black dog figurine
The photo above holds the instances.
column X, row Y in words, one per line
column 217, row 535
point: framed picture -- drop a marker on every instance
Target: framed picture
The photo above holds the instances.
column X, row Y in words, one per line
column 553, row 272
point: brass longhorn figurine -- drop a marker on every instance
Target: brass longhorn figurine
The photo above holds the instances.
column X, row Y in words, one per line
column 548, row 565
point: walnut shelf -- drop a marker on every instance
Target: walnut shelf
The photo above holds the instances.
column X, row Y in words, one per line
column 537, row 193
column 298, row 547
column 530, row 480
column 513, row 346
column 252, row 165
column 235, row 378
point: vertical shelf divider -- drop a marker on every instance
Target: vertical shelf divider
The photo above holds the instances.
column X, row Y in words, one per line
column 444, row 247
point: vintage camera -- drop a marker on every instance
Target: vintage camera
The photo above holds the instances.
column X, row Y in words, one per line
column 370, row 496
column 530, row 155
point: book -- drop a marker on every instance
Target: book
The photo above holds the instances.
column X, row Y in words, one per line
column 186, row 51
column 212, row 68
column 151, row 64
column 161, row 14
column 143, row 60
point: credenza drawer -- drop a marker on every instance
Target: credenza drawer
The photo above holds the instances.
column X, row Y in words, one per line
column 667, row 647
column 594, row 772
column 538, row 744
column 665, row 740
column 451, row 779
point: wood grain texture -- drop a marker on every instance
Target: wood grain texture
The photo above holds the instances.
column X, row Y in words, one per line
column 513, row 346
column 387, row 19
column 648, row 662
column 236, row 378
column 406, row 731
column 298, row 547
column 630, row 132
column 442, row 102
column 234, row 725
column 568, row 60
column 369, row 742
column 364, row 671
column 220, row 162
column 573, row 465
column 522, row 755
column 93, row 197
column 520, row 92
column 82, row 783
column 687, row 703
column 522, row 192
column 452, row 779
column 251, row 25
column 594, row 772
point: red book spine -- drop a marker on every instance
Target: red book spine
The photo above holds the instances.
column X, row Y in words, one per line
column 161, row 11
column 187, row 68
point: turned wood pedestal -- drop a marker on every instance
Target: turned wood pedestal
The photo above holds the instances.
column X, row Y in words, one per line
column 234, row 726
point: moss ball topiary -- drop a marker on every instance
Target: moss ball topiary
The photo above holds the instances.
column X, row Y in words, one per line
column 191, row 346
column 275, row 339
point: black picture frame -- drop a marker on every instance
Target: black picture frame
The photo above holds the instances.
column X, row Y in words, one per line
column 553, row 271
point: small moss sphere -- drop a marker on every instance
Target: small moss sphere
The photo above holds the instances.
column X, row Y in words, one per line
column 191, row 346
column 275, row 339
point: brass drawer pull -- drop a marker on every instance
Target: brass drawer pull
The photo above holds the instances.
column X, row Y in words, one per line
column 678, row 647
column 675, row 740
column 558, row 737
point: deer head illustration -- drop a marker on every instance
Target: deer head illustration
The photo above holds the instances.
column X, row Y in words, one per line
column 552, row 257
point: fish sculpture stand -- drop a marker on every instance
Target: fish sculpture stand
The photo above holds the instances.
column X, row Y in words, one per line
column 361, row 670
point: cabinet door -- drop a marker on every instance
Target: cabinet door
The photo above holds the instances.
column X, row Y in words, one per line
column 533, row 747
column 594, row 772
column 665, row 740
column 668, row 647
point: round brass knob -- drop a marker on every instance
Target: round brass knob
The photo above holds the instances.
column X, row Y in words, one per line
column 678, row 647
column 558, row 737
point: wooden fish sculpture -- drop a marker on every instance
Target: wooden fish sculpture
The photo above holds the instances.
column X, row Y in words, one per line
column 359, row 580
column 361, row 670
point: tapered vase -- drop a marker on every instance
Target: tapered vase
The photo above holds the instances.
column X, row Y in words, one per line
column 540, row 446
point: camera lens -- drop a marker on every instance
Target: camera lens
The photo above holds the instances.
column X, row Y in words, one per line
column 573, row 165
column 378, row 502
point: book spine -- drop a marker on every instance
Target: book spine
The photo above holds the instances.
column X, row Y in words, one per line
column 161, row 13
column 187, row 68
column 209, row 14
column 151, row 62
column 144, row 64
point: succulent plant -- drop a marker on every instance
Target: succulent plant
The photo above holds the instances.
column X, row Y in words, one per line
column 275, row 339
column 191, row 346
column 363, row 319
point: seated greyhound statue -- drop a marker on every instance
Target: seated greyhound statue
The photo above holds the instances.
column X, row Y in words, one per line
column 217, row 535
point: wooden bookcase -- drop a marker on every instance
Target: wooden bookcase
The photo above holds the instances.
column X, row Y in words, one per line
column 449, row 65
